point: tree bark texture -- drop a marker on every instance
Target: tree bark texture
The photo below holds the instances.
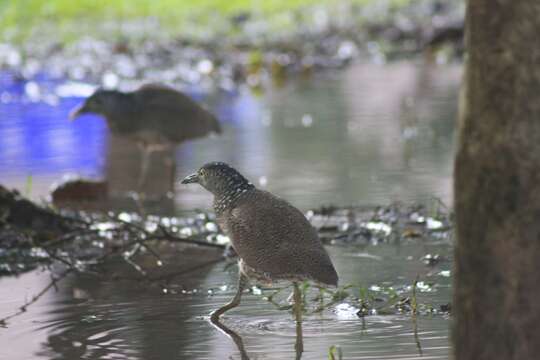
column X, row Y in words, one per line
column 497, row 185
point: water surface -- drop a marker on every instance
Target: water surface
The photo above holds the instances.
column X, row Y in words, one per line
column 368, row 135
column 102, row 318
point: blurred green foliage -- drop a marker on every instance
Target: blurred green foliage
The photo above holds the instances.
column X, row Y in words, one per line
column 21, row 9
column 18, row 18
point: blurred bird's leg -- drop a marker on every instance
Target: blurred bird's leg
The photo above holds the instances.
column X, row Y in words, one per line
column 243, row 281
column 170, row 162
column 145, row 164
column 298, row 308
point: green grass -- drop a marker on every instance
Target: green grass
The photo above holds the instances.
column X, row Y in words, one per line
column 99, row 9
column 20, row 18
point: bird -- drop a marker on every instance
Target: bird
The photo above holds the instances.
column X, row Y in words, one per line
column 155, row 116
column 273, row 239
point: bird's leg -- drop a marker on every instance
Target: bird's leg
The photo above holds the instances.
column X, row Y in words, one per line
column 145, row 164
column 242, row 283
column 298, row 307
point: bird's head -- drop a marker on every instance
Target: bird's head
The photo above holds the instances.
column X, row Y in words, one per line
column 101, row 102
column 219, row 178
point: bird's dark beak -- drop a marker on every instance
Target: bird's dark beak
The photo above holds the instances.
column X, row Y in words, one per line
column 76, row 112
column 193, row 178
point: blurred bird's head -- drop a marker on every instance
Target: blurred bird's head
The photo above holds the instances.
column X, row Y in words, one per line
column 101, row 102
column 219, row 178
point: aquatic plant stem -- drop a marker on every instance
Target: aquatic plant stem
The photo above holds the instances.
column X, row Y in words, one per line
column 298, row 308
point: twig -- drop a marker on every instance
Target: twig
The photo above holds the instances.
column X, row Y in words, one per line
column 414, row 312
column 189, row 240
column 168, row 277
column 165, row 234
column 22, row 309
column 140, row 236
column 153, row 252
column 69, row 236
column 69, row 264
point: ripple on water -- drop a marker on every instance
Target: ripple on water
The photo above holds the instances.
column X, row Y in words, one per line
column 374, row 337
column 134, row 321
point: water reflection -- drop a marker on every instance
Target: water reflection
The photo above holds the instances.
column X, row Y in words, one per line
column 123, row 174
column 107, row 317
column 370, row 134
column 234, row 336
column 239, row 342
column 110, row 315
column 367, row 135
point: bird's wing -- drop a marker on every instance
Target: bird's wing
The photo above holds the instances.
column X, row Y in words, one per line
column 157, row 96
column 273, row 237
column 173, row 113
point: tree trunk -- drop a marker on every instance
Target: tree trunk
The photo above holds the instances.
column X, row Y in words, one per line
column 497, row 185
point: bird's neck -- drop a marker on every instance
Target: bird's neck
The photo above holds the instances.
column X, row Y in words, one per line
column 225, row 199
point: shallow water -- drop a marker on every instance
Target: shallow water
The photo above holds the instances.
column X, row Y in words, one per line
column 91, row 318
column 367, row 135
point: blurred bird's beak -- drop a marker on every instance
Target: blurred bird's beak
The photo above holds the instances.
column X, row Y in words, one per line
column 193, row 178
column 76, row 112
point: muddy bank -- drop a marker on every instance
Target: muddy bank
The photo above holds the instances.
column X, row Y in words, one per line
column 97, row 258
column 34, row 234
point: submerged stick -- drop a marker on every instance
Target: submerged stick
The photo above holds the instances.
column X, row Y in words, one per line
column 298, row 308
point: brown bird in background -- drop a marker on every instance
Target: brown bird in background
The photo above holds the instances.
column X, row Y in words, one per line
column 155, row 116
column 273, row 239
